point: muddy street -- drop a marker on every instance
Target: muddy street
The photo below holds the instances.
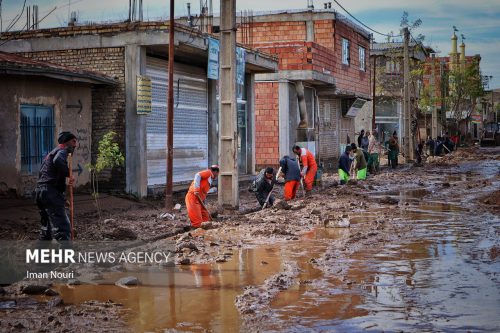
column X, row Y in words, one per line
column 420, row 253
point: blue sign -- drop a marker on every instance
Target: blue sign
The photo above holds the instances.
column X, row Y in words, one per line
column 213, row 59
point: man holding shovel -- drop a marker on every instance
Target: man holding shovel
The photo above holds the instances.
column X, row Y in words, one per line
column 197, row 212
column 51, row 187
column 309, row 166
column 264, row 188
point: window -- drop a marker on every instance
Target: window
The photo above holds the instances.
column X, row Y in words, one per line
column 392, row 67
column 37, row 136
column 362, row 59
column 345, row 51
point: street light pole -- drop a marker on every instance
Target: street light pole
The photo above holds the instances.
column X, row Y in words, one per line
column 170, row 112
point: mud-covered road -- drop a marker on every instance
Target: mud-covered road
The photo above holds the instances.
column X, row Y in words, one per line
column 421, row 254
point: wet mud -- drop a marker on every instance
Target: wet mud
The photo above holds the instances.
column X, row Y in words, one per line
column 413, row 249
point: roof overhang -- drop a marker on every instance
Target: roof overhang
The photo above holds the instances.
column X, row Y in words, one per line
column 8, row 69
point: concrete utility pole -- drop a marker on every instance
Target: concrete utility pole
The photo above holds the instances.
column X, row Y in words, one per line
column 373, row 91
column 408, row 143
column 434, row 121
column 228, row 134
column 170, row 112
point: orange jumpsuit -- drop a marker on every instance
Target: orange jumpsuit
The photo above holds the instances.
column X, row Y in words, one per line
column 309, row 167
column 201, row 184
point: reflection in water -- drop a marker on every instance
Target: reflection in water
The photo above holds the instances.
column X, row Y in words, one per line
column 195, row 297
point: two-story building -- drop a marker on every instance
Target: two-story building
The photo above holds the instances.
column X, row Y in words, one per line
column 323, row 70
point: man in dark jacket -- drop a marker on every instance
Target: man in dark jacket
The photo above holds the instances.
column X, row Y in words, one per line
column 264, row 187
column 290, row 168
column 345, row 165
column 359, row 162
column 51, row 187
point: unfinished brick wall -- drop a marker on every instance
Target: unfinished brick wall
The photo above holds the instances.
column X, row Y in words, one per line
column 324, row 33
column 108, row 102
column 266, row 125
column 350, row 78
column 300, row 55
column 275, row 32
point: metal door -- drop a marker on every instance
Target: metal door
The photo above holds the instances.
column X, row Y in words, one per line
column 190, row 122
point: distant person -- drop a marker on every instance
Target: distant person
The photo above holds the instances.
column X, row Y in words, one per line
column 264, row 184
column 309, row 166
column 197, row 194
column 438, row 147
column 430, row 146
column 359, row 162
column 360, row 137
column 345, row 166
column 393, row 150
column 51, row 187
column 374, row 151
column 291, row 171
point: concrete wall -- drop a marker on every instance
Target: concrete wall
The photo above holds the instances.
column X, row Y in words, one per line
column 17, row 90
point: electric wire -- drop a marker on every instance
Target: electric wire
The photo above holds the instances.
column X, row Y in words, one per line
column 16, row 18
column 364, row 25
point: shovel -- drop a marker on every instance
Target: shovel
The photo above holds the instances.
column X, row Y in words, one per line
column 70, row 188
column 267, row 199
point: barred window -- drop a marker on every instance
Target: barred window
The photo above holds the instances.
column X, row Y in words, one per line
column 345, row 51
column 37, row 136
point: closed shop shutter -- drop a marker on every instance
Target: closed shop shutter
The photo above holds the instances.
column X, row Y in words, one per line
column 329, row 128
column 190, row 122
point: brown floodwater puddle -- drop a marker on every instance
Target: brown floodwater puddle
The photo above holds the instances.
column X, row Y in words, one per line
column 430, row 280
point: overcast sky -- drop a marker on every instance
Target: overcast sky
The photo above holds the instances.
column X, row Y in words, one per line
column 477, row 20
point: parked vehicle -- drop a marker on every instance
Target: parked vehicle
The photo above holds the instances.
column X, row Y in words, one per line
column 490, row 135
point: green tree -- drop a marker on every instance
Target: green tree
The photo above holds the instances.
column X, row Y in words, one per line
column 108, row 157
column 465, row 88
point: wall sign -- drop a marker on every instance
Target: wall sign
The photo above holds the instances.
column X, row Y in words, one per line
column 144, row 91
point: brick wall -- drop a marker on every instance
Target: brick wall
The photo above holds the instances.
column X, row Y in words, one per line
column 108, row 103
column 266, row 124
column 323, row 33
column 300, row 55
column 272, row 32
column 350, row 78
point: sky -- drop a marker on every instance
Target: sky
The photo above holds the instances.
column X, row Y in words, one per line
column 478, row 21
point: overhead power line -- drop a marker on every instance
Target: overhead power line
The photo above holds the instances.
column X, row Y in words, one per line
column 16, row 18
column 364, row 25
column 18, row 32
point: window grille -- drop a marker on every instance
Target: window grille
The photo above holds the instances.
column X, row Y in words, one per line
column 37, row 136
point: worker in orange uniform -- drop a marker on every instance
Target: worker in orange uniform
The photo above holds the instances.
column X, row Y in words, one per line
column 309, row 166
column 291, row 172
column 197, row 193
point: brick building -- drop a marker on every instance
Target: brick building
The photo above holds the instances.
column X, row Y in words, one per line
column 124, row 51
column 323, row 69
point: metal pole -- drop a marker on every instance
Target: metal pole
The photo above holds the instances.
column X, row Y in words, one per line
column 170, row 111
column 406, row 106
column 373, row 90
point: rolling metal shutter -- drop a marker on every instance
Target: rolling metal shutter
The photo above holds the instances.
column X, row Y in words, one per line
column 329, row 128
column 190, row 122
